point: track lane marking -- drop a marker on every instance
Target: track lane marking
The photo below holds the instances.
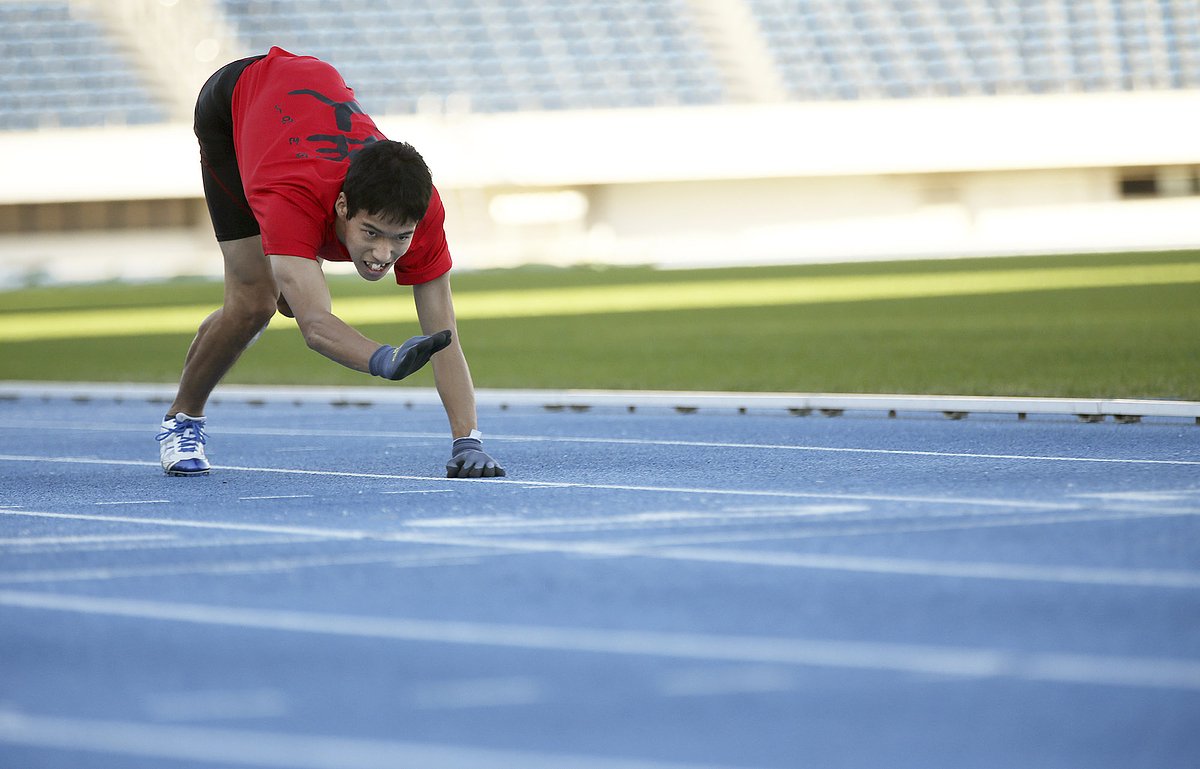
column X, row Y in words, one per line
column 916, row 567
column 891, row 524
column 491, row 692
column 276, row 496
column 174, row 542
column 1140, row 578
column 262, row 528
column 723, row 681
column 241, row 747
column 86, row 539
column 508, row 482
column 631, row 521
column 965, row 662
column 216, row 704
column 235, row 568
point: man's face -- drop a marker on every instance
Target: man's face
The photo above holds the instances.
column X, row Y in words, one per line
column 374, row 243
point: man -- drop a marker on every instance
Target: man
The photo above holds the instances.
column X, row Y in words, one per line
column 295, row 173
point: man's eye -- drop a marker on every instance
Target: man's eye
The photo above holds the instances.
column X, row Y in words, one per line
column 370, row 233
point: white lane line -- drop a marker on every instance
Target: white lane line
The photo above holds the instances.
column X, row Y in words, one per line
column 239, row 747
column 670, row 518
column 722, row 681
column 216, row 704
column 227, row 568
column 263, row 528
column 85, row 539
column 834, row 449
column 135, row 502
column 495, row 692
column 1181, row 495
column 1142, row 578
column 1163, row 673
column 888, row 524
column 277, row 496
column 1082, row 575
column 499, row 482
column 172, row 542
column 1152, row 578
column 420, row 491
column 317, row 433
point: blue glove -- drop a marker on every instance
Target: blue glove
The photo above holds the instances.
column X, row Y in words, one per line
column 398, row 362
column 468, row 460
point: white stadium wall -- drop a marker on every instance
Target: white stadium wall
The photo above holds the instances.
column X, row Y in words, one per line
column 699, row 185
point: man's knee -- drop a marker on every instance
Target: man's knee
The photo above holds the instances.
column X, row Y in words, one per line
column 250, row 290
column 250, row 313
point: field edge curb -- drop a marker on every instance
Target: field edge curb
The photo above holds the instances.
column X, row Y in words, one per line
column 801, row 404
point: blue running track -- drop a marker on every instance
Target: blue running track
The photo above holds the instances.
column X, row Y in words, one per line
column 648, row 590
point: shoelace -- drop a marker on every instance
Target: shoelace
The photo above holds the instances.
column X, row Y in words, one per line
column 189, row 433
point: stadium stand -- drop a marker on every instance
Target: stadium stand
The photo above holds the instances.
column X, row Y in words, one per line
column 550, row 54
column 494, row 55
column 852, row 49
column 59, row 68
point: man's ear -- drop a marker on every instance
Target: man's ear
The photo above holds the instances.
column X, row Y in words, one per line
column 341, row 207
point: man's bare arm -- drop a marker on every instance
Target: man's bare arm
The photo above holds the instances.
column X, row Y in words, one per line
column 302, row 283
column 306, row 296
column 435, row 311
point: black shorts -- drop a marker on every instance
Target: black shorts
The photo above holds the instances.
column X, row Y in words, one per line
column 231, row 216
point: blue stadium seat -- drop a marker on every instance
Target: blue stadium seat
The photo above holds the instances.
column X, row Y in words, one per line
column 57, row 68
column 60, row 69
column 501, row 54
column 953, row 47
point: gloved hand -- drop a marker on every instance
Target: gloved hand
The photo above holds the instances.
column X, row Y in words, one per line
column 398, row 362
column 468, row 460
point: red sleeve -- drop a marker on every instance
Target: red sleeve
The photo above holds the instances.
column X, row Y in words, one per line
column 429, row 255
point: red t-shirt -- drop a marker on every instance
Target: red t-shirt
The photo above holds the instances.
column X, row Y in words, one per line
column 295, row 126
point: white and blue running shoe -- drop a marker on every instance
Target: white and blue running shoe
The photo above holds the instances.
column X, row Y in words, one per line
column 181, row 445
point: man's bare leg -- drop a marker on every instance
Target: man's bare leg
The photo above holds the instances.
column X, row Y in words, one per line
column 250, row 295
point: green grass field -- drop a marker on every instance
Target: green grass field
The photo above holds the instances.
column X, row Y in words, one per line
column 1117, row 325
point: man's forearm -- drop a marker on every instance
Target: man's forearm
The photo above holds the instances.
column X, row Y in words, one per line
column 435, row 311
column 338, row 341
column 456, row 389
column 302, row 289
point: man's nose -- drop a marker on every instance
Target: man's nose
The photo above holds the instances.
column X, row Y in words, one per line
column 383, row 253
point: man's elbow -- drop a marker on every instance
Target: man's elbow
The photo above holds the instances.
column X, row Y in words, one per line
column 316, row 331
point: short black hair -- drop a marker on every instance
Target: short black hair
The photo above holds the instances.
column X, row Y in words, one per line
column 388, row 179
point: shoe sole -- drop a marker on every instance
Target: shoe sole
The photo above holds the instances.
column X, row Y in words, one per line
column 186, row 473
